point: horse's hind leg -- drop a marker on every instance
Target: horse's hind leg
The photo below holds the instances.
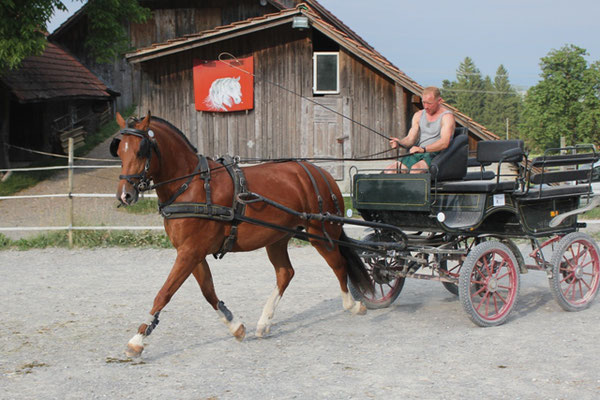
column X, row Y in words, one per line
column 279, row 257
column 339, row 265
column 204, row 277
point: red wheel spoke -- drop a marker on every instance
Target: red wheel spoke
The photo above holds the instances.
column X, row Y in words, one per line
column 571, row 275
column 479, row 291
column 506, row 274
column 502, row 298
column 585, row 283
column 580, row 289
column 481, row 301
column 495, row 303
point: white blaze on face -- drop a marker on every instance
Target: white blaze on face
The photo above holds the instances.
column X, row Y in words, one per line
column 223, row 93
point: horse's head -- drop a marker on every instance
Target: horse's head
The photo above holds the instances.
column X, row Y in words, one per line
column 135, row 149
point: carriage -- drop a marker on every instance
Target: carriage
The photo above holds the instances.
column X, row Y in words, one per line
column 456, row 226
column 466, row 227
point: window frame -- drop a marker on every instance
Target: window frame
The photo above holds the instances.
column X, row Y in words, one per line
column 315, row 62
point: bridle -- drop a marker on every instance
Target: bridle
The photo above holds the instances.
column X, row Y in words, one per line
column 148, row 146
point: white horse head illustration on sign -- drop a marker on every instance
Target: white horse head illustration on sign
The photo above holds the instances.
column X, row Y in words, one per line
column 223, row 93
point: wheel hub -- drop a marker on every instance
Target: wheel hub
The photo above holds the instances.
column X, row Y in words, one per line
column 492, row 284
column 578, row 272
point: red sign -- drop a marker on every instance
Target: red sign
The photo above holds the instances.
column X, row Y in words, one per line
column 224, row 86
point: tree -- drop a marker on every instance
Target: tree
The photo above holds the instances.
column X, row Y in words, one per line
column 565, row 102
column 467, row 93
column 502, row 103
column 487, row 102
column 23, row 27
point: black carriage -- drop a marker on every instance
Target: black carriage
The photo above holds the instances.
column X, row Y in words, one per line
column 461, row 226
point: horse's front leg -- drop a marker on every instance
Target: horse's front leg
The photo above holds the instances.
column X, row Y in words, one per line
column 204, row 278
column 184, row 265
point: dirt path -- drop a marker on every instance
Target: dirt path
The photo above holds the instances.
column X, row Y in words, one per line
column 67, row 316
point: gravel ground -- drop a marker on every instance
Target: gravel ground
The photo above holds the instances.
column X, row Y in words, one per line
column 67, row 316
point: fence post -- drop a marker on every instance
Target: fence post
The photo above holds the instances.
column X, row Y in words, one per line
column 70, row 180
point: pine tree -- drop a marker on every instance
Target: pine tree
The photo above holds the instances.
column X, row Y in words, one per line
column 503, row 103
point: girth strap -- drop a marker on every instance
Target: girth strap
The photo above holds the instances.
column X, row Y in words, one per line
column 201, row 166
column 239, row 208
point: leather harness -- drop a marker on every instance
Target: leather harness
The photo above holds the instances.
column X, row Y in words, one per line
column 241, row 196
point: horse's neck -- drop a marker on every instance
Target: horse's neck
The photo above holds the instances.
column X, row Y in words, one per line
column 177, row 161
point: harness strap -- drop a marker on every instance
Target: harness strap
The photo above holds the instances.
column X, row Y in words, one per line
column 239, row 208
column 319, row 199
column 201, row 164
column 198, row 210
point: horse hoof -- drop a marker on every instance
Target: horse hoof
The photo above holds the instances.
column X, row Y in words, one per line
column 362, row 309
column 240, row 333
column 133, row 351
column 262, row 331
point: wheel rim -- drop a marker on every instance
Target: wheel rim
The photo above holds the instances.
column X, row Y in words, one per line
column 493, row 285
column 385, row 284
column 580, row 269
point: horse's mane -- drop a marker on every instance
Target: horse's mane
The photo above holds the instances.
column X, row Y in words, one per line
column 132, row 120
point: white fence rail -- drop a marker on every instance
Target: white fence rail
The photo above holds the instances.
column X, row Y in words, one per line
column 70, row 195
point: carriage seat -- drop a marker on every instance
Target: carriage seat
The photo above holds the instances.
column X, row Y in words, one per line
column 451, row 163
column 488, row 152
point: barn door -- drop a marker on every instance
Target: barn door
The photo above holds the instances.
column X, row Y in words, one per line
column 323, row 132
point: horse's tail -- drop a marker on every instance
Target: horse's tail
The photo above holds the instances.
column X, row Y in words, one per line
column 357, row 271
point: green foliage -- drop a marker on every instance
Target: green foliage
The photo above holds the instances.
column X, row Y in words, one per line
column 565, row 102
column 488, row 102
column 143, row 206
column 89, row 239
column 22, row 29
column 23, row 25
column 108, row 38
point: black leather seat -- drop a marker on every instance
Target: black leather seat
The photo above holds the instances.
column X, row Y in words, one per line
column 451, row 163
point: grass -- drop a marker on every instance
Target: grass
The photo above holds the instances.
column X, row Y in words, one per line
column 143, row 206
column 22, row 180
column 89, row 239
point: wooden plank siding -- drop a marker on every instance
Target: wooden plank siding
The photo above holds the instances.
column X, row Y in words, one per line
column 282, row 123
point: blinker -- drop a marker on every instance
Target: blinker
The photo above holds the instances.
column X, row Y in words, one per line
column 114, row 146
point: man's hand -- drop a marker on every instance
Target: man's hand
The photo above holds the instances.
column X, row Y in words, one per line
column 395, row 142
column 416, row 149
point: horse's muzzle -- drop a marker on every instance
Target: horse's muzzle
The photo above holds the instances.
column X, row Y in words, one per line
column 127, row 194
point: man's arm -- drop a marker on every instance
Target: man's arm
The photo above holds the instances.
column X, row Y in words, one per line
column 447, row 129
column 411, row 137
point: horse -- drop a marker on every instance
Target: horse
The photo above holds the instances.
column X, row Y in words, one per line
column 153, row 150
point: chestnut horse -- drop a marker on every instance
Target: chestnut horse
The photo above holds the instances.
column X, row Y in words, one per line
column 153, row 149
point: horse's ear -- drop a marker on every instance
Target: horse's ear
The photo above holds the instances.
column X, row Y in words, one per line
column 145, row 124
column 120, row 121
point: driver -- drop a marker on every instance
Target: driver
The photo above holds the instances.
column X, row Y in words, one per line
column 430, row 133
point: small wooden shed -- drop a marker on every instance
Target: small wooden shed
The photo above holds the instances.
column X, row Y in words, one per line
column 46, row 98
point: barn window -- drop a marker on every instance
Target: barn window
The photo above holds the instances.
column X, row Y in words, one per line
column 326, row 72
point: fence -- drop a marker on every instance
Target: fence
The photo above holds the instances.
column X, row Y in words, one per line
column 70, row 195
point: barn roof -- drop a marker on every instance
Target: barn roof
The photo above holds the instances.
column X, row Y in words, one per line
column 54, row 75
column 321, row 20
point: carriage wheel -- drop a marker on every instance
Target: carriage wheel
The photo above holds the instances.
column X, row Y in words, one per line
column 489, row 283
column 454, row 268
column 575, row 271
column 387, row 286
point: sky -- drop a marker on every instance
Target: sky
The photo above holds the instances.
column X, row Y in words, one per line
column 428, row 40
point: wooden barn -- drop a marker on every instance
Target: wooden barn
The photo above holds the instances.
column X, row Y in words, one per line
column 49, row 98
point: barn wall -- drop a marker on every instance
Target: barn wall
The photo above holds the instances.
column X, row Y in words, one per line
column 272, row 129
column 282, row 124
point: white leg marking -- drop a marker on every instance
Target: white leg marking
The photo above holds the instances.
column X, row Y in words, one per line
column 355, row 307
column 232, row 325
column 264, row 323
column 137, row 340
